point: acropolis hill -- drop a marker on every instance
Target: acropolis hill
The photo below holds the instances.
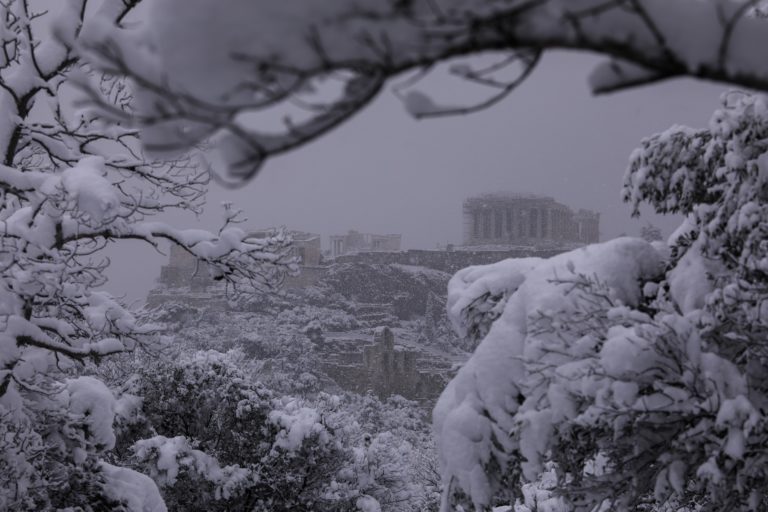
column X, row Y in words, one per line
column 367, row 279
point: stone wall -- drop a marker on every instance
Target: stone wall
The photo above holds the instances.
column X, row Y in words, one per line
column 354, row 242
column 306, row 247
column 181, row 272
column 445, row 261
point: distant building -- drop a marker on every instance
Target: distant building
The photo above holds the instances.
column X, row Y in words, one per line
column 354, row 242
column 505, row 219
column 306, row 246
column 184, row 270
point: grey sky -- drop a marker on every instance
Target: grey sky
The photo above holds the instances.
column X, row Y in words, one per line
column 387, row 173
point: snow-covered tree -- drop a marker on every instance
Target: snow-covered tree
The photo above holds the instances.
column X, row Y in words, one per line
column 635, row 372
column 634, row 368
column 214, row 438
column 206, row 71
column 69, row 186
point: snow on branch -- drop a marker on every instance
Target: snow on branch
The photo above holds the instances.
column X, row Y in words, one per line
column 210, row 73
column 69, row 186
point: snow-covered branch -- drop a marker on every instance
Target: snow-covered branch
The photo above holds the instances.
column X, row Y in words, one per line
column 69, row 186
column 209, row 73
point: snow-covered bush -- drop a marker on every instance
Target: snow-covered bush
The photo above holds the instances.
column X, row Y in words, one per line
column 328, row 319
column 51, row 456
column 394, row 458
column 477, row 295
column 635, row 371
column 224, row 442
column 283, row 357
column 214, row 438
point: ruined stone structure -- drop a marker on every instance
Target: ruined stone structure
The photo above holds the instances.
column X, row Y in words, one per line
column 184, row 271
column 450, row 261
column 501, row 219
column 384, row 368
column 306, row 246
column 187, row 280
column 354, row 242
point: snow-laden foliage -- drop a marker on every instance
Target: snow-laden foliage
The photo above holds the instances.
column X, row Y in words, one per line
column 493, row 423
column 718, row 178
column 650, row 233
column 198, row 66
column 383, row 449
column 214, row 438
column 477, row 295
column 634, row 371
column 69, row 186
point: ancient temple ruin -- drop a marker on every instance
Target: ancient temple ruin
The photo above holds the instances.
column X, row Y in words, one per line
column 505, row 219
column 186, row 279
column 185, row 271
column 355, row 242
column 305, row 246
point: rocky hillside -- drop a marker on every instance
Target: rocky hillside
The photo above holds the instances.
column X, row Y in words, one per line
column 322, row 335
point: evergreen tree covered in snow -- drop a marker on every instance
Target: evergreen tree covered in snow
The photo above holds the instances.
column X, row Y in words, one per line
column 634, row 372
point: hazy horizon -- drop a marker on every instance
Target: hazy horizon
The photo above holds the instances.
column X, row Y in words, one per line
column 384, row 172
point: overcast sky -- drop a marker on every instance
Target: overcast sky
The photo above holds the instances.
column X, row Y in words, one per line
column 384, row 172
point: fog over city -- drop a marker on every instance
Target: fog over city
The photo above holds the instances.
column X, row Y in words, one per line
column 384, row 172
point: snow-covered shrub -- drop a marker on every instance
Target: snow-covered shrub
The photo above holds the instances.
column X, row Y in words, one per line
column 635, row 371
column 492, row 424
column 51, row 458
column 328, row 319
column 213, row 438
column 435, row 327
column 224, row 442
column 392, row 452
column 284, row 358
column 175, row 313
column 477, row 295
column 314, row 331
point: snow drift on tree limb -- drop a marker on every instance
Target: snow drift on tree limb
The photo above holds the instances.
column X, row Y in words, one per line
column 198, row 64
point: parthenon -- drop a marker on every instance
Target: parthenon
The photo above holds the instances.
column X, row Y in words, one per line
column 517, row 219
